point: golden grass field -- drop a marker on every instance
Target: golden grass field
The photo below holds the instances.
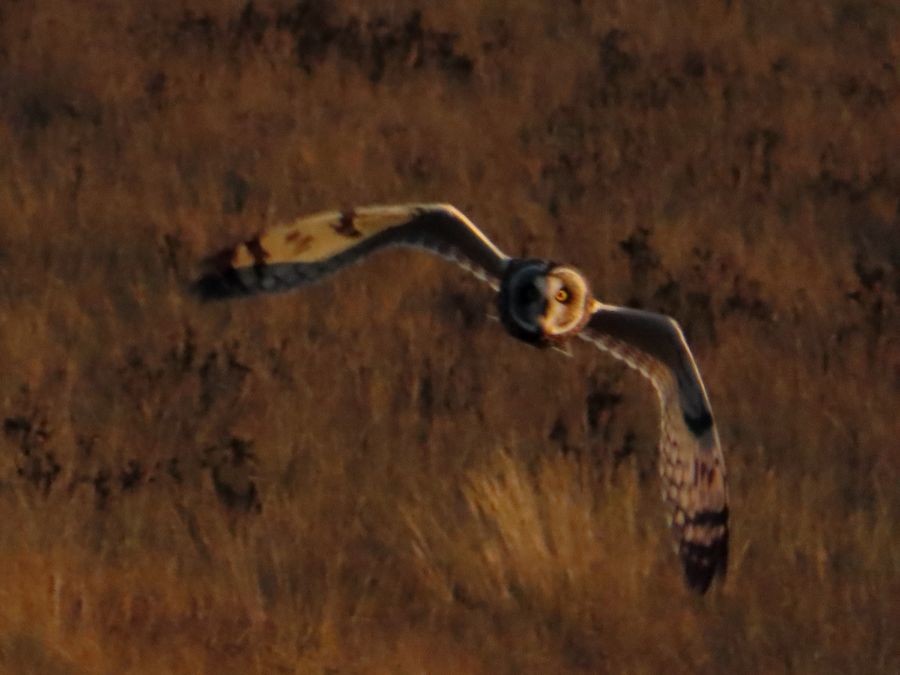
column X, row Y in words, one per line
column 368, row 475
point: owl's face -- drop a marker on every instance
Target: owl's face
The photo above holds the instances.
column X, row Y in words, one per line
column 542, row 303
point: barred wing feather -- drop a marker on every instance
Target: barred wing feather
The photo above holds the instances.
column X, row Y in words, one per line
column 691, row 465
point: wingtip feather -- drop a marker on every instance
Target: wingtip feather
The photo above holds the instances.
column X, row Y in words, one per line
column 217, row 286
column 219, row 280
column 703, row 563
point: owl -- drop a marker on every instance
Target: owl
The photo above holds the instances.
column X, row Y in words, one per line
column 540, row 302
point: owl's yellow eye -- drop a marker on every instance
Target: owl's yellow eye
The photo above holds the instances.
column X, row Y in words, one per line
column 562, row 295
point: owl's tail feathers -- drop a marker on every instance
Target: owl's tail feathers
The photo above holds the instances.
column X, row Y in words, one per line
column 703, row 548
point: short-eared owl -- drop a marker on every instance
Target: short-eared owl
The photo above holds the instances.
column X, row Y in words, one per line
column 540, row 302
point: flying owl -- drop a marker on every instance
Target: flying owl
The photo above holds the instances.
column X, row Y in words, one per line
column 540, row 302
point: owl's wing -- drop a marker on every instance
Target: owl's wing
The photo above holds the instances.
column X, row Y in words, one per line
column 303, row 251
column 691, row 465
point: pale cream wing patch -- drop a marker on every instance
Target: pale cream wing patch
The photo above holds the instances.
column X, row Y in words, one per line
column 305, row 250
column 691, row 464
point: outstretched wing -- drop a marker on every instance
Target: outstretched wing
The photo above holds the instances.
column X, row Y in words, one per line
column 691, row 465
column 307, row 249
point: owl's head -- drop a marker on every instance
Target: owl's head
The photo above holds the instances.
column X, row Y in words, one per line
column 541, row 302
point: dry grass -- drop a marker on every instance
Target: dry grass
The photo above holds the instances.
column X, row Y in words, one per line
column 369, row 476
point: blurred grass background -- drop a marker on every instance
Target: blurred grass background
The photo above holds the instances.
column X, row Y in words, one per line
column 368, row 475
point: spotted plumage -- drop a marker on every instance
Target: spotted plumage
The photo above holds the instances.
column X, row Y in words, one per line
column 540, row 302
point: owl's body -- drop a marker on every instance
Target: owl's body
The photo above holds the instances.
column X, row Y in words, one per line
column 541, row 303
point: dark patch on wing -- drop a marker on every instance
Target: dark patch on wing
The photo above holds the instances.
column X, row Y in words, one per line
column 221, row 280
column 257, row 251
column 219, row 285
column 710, row 518
column 345, row 226
column 299, row 241
column 659, row 337
column 698, row 424
column 703, row 562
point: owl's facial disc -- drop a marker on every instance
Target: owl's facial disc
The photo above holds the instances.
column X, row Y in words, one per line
column 568, row 303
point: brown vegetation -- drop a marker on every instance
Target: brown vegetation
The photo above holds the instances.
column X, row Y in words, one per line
column 368, row 475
